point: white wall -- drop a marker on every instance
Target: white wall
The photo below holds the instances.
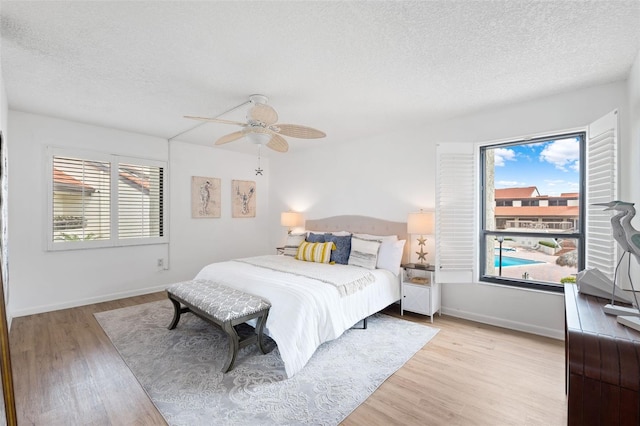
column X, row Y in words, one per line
column 3, row 221
column 391, row 175
column 3, row 104
column 197, row 242
column 631, row 161
column 44, row 281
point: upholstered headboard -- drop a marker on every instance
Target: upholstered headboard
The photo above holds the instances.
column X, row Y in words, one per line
column 362, row 225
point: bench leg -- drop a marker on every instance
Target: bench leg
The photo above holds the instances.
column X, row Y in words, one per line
column 176, row 313
column 233, row 346
column 177, row 310
column 262, row 320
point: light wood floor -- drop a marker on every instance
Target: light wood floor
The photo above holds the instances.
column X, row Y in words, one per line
column 66, row 372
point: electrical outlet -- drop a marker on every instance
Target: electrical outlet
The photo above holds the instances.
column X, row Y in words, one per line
column 161, row 263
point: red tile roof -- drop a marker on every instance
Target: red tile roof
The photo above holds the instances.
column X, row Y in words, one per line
column 61, row 177
column 527, row 192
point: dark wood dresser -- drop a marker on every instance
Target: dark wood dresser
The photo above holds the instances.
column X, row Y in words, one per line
column 603, row 364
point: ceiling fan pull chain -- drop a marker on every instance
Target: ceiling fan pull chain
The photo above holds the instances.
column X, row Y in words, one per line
column 259, row 170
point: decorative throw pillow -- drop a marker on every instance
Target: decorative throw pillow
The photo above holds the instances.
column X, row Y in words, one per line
column 343, row 248
column 315, row 252
column 315, row 238
column 380, row 238
column 292, row 244
column 364, row 253
column 390, row 256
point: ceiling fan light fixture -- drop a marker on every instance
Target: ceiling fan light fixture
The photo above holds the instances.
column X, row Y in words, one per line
column 258, row 138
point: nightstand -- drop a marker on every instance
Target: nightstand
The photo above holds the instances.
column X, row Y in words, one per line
column 420, row 293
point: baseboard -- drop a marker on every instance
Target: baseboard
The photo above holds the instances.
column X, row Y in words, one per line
column 88, row 301
column 504, row 323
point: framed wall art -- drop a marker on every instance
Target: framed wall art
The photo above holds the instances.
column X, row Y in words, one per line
column 205, row 197
column 243, row 198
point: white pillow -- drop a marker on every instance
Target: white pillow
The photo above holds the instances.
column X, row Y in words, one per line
column 364, row 253
column 292, row 244
column 380, row 238
column 390, row 256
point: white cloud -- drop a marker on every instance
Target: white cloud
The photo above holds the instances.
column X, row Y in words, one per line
column 575, row 166
column 554, row 187
column 503, row 154
column 562, row 153
column 510, row 184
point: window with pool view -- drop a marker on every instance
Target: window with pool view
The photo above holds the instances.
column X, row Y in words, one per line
column 532, row 225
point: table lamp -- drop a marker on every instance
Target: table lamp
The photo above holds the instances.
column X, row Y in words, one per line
column 290, row 219
column 420, row 223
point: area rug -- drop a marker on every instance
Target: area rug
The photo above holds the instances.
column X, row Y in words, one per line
column 180, row 369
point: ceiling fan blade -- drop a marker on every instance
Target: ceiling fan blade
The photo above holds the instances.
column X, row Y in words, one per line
column 230, row 137
column 263, row 113
column 216, row 120
column 277, row 143
column 302, row 132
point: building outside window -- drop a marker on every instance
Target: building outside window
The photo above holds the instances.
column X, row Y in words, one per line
column 531, row 228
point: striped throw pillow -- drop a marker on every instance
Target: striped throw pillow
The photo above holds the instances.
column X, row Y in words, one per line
column 364, row 253
column 315, row 252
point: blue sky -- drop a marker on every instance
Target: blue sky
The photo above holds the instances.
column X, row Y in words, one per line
column 551, row 166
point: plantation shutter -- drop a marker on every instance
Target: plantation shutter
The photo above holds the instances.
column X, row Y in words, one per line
column 602, row 187
column 140, row 201
column 81, row 200
column 103, row 200
column 455, row 212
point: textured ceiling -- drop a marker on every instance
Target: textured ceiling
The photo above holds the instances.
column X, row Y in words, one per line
column 351, row 69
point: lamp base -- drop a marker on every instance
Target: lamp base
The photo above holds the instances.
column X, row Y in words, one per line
column 420, row 265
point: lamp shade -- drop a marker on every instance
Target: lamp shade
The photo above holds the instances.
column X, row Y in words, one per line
column 290, row 219
column 420, row 223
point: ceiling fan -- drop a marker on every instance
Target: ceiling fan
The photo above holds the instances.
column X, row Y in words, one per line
column 261, row 127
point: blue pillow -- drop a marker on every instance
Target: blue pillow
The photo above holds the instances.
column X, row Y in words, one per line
column 316, row 238
column 343, row 248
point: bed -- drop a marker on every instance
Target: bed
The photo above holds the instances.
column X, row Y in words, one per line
column 309, row 303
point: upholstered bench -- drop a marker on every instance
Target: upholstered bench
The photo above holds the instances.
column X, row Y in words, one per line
column 223, row 306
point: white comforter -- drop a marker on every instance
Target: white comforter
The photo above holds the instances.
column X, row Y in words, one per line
column 305, row 312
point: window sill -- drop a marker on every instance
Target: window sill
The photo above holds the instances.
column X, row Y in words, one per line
column 523, row 285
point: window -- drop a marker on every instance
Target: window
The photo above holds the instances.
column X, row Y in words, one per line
column 98, row 200
column 533, row 242
column 469, row 234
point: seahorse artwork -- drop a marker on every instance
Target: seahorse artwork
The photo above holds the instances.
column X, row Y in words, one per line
column 205, row 197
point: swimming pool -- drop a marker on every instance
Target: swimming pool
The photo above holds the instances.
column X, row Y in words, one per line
column 513, row 261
